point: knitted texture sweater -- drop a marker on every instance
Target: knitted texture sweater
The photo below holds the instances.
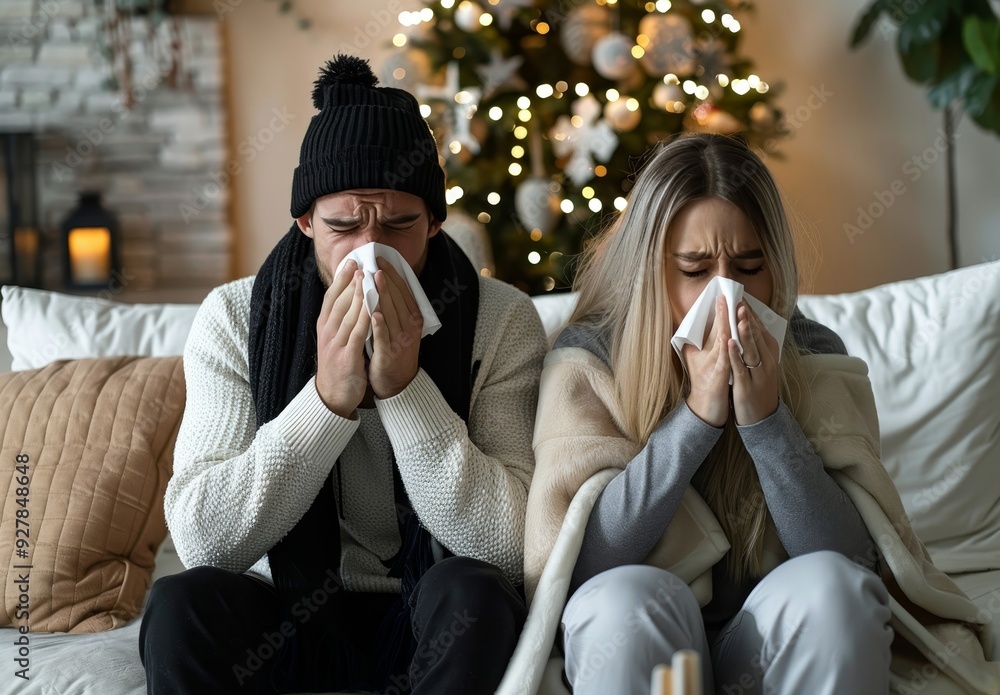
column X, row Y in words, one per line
column 237, row 490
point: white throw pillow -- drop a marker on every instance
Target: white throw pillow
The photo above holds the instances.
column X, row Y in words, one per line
column 43, row 326
column 555, row 310
column 933, row 351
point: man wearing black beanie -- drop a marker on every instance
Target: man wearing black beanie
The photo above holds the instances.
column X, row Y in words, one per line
column 351, row 520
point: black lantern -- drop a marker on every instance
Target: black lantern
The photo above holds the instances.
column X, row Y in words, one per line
column 90, row 245
column 18, row 214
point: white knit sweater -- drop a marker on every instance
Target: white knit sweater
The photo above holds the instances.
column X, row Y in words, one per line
column 237, row 490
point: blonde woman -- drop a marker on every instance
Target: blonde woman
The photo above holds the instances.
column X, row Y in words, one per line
column 817, row 622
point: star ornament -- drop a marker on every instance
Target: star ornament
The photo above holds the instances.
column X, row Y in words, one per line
column 462, row 104
column 583, row 138
column 498, row 71
column 504, row 10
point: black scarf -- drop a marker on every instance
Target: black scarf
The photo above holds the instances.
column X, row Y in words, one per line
column 285, row 305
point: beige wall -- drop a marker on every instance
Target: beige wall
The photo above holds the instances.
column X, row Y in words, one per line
column 855, row 144
column 272, row 66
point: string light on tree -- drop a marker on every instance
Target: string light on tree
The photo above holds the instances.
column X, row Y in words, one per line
column 467, row 16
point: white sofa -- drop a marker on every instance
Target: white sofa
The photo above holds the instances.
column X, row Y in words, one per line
column 933, row 349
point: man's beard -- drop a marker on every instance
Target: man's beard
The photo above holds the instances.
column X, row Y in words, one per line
column 325, row 276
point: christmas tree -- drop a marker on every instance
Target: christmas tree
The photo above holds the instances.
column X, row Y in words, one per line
column 544, row 109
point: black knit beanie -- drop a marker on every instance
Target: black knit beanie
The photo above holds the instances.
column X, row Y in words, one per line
column 365, row 137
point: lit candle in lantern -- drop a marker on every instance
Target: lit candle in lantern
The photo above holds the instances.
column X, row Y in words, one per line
column 90, row 254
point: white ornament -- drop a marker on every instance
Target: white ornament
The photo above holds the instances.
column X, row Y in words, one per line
column 405, row 69
column 505, row 10
column 706, row 118
column 720, row 121
column 536, row 202
column 664, row 94
column 762, row 115
column 591, row 139
column 498, row 71
column 582, row 29
column 613, row 57
column 671, row 46
column 462, row 105
column 620, row 116
column 467, row 16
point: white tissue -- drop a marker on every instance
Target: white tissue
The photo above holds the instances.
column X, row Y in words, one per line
column 694, row 328
column 365, row 257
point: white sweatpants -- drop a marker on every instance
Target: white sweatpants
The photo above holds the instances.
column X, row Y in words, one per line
column 816, row 624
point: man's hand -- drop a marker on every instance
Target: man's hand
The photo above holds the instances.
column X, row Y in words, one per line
column 397, row 324
column 709, row 370
column 341, row 330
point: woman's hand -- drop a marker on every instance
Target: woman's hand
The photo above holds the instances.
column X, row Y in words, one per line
column 709, row 370
column 755, row 375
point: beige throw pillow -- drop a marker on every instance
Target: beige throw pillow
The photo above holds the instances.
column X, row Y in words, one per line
column 86, row 455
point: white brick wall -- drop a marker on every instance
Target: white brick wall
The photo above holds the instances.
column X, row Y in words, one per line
column 33, row 75
column 15, row 54
column 64, row 53
column 67, row 8
column 16, row 9
column 60, row 30
column 36, row 98
column 154, row 163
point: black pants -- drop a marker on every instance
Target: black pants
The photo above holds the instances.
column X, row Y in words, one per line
column 208, row 630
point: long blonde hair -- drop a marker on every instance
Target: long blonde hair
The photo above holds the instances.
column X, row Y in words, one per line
column 623, row 292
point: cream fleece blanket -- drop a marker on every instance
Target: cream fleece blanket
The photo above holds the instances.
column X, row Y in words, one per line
column 941, row 637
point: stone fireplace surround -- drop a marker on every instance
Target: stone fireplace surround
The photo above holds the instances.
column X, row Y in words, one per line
column 161, row 166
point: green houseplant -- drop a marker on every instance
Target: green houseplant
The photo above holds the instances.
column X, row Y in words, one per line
column 952, row 47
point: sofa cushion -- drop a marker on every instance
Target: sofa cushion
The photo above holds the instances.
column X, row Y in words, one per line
column 86, row 456
column 555, row 310
column 932, row 347
column 43, row 326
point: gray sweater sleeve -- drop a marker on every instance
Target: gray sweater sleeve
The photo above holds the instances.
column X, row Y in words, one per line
column 636, row 507
column 810, row 511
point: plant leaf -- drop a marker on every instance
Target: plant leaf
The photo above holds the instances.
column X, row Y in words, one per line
column 977, row 97
column 923, row 25
column 990, row 116
column 920, row 61
column 954, row 86
column 866, row 22
column 982, row 41
column 952, row 55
